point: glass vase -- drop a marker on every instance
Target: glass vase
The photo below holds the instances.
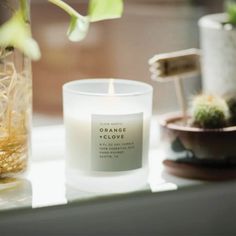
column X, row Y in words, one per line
column 15, row 105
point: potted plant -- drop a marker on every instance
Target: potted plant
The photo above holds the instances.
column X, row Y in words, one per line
column 17, row 48
column 204, row 147
column 218, row 43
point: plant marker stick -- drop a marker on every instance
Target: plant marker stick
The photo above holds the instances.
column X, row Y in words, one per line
column 179, row 88
column 176, row 66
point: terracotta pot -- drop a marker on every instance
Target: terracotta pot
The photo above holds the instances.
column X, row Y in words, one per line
column 208, row 147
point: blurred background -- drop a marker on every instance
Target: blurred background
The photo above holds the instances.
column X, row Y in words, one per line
column 116, row 48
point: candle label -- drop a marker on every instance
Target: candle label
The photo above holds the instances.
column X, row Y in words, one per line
column 117, row 142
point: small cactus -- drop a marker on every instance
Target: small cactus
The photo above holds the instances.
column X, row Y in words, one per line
column 209, row 111
column 232, row 110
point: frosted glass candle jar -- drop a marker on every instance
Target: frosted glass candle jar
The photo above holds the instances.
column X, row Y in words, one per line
column 107, row 134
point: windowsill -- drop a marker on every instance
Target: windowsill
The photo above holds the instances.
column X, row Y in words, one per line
column 45, row 186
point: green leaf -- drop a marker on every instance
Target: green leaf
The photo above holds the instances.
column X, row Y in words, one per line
column 105, row 9
column 98, row 10
column 79, row 24
column 78, row 28
column 16, row 32
column 231, row 10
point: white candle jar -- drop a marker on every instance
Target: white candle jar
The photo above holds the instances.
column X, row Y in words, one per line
column 107, row 134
